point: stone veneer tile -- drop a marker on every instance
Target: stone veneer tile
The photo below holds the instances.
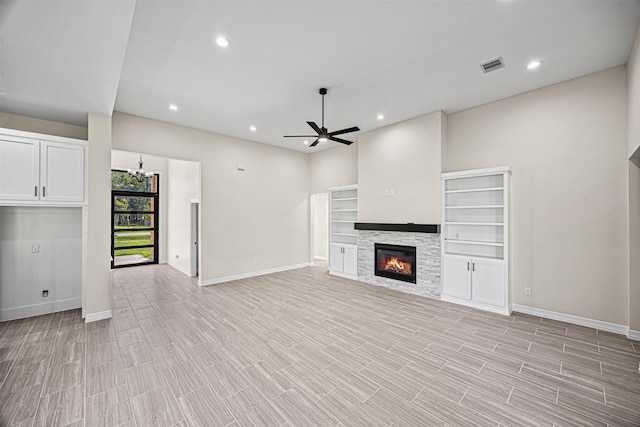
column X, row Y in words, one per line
column 428, row 259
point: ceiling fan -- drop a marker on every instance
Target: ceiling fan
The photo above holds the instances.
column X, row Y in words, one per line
column 322, row 133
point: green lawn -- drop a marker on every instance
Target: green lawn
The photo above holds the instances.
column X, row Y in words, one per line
column 133, row 240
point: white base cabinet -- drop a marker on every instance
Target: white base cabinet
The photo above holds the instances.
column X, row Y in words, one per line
column 478, row 282
column 40, row 169
column 344, row 260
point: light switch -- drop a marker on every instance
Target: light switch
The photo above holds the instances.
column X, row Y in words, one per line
column 35, row 249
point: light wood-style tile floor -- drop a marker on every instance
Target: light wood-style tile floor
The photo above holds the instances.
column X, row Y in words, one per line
column 301, row 348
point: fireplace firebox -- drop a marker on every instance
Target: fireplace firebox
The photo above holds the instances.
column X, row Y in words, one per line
column 395, row 262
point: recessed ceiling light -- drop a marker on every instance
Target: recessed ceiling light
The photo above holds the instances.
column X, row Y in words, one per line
column 252, row 128
column 173, row 107
column 306, row 142
column 380, row 117
column 534, row 64
column 223, row 42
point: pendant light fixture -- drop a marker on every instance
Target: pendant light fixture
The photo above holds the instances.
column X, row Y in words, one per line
column 139, row 173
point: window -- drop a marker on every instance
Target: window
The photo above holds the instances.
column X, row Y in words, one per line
column 134, row 226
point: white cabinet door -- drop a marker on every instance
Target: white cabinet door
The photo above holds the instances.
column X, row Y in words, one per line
column 457, row 277
column 336, row 258
column 61, row 172
column 350, row 260
column 488, row 281
column 19, row 162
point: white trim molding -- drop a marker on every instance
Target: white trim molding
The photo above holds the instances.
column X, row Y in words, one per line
column 251, row 274
column 94, row 317
column 577, row 320
column 38, row 309
column 633, row 335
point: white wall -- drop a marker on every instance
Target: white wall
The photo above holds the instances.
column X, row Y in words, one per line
column 320, row 206
column 30, row 124
column 183, row 181
column 633, row 82
column 56, row 267
column 251, row 220
column 129, row 160
column 333, row 167
column 96, row 276
column 404, row 157
column 566, row 145
column 633, row 151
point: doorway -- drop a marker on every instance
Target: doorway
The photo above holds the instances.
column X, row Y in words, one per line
column 319, row 210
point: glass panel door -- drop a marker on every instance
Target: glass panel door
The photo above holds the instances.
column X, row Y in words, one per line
column 134, row 226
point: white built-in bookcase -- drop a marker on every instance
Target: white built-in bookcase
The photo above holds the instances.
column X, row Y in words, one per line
column 343, row 248
column 475, row 238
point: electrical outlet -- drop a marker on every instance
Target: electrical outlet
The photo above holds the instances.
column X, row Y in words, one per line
column 35, row 249
column 527, row 291
column 256, row 261
column 45, row 293
column 386, row 193
column 391, row 193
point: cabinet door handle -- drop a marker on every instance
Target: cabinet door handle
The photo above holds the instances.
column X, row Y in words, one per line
column 467, row 266
column 44, row 189
column 35, row 191
column 473, row 266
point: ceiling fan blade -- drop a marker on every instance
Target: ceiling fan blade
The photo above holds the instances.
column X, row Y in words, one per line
column 315, row 127
column 315, row 143
column 300, row 136
column 340, row 132
column 340, row 140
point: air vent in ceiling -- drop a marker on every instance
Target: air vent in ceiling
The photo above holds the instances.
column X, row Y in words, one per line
column 492, row 65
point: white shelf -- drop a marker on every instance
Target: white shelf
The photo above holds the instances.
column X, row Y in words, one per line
column 475, row 207
column 474, row 242
column 474, row 190
column 496, row 258
column 344, row 198
column 345, row 234
column 342, row 220
column 344, row 210
column 475, row 223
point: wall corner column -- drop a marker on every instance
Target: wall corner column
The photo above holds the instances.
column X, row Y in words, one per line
column 96, row 280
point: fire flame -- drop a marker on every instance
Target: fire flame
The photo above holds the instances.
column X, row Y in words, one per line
column 394, row 264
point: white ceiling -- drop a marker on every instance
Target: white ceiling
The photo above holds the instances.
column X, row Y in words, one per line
column 63, row 59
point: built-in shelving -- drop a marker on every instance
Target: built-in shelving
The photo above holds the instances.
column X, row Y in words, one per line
column 343, row 237
column 475, row 243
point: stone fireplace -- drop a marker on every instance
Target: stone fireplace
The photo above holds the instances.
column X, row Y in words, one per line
column 394, row 239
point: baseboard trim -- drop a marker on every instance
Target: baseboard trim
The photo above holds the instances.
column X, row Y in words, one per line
column 575, row 320
column 186, row 273
column 251, row 274
column 320, row 258
column 94, row 317
column 344, row 275
column 38, row 309
column 633, row 335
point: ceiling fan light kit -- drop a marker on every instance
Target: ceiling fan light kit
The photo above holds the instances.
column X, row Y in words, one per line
column 322, row 134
